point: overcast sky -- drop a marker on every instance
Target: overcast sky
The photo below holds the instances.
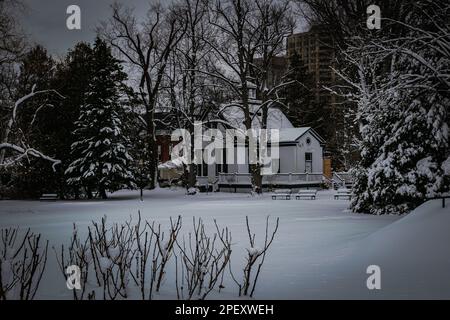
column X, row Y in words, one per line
column 45, row 21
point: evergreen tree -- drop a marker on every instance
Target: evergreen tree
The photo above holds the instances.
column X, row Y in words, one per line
column 303, row 110
column 71, row 80
column 101, row 150
column 403, row 113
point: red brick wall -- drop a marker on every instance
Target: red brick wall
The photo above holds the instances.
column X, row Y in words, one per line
column 163, row 142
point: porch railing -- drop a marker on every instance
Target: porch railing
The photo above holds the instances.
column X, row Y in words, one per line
column 343, row 178
column 207, row 182
column 279, row 178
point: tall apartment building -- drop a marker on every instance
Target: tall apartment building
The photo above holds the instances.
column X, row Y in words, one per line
column 315, row 48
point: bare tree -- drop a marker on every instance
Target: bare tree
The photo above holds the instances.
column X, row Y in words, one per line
column 400, row 79
column 251, row 31
column 12, row 39
column 147, row 47
column 346, row 18
column 275, row 22
column 189, row 91
column 14, row 138
column 12, row 47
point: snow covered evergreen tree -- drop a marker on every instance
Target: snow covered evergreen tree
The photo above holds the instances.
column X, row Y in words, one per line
column 71, row 79
column 403, row 100
column 101, row 150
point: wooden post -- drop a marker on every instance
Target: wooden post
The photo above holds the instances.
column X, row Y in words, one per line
column 327, row 167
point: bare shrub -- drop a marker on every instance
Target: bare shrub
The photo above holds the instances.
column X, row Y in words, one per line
column 22, row 264
column 163, row 250
column 112, row 251
column 144, row 240
column 203, row 261
column 78, row 254
column 255, row 256
column 139, row 253
column 152, row 254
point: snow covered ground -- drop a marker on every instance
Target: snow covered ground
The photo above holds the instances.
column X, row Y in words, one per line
column 321, row 250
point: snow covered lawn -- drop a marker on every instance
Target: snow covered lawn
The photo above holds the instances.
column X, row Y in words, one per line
column 321, row 249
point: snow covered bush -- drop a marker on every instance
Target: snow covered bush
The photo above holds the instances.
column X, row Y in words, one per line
column 121, row 259
column 104, row 257
column 134, row 259
column 112, row 250
column 101, row 159
column 203, row 259
column 78, row 253
column 255, row 256
column 163, row 250
column 192, row 191
column 402, row 93
column 22, row 264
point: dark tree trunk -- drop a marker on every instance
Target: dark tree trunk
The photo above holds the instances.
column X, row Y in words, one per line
column 192, row 173
column 192, row 176
column 152, row 153
column 151, row 143
column 256, row 178
column 89, row 193
column 255, row 172
column 102, row 192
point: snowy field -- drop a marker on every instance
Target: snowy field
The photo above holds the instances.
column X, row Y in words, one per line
column 320, row 251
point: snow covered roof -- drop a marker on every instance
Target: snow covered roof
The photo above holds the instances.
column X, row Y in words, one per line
column 293, row 134
column 276, row 119
column 172, row 164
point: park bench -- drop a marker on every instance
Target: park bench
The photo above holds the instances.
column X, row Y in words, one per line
column 306, row 194
column 441, row 197
column 282, row 194
column 49, row 197
column 343, row 193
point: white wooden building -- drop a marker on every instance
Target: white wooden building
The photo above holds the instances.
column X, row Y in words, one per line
column 300, row 153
